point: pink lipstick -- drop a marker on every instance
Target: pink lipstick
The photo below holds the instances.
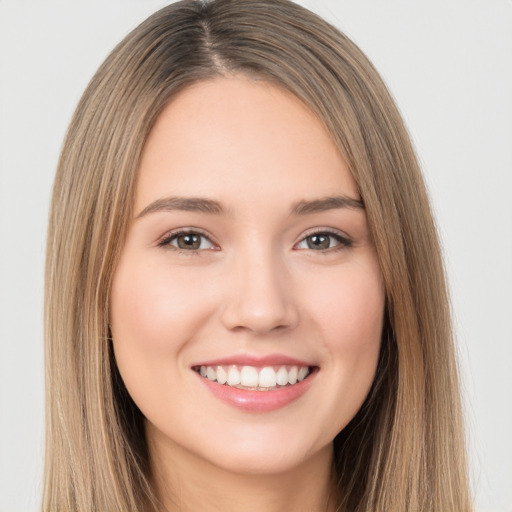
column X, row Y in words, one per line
column 256, row 383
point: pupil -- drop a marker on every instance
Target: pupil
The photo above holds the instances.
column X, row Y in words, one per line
column 189, row 242
column 318, row 242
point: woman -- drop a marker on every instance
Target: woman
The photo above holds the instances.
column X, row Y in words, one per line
column 245, row 296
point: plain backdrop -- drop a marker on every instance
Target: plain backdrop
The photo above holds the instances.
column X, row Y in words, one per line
column 448, row 63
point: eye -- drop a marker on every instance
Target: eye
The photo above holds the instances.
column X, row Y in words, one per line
column 187, row 241
column 323, row 241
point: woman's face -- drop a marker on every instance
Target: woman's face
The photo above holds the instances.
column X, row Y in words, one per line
column 247, row 305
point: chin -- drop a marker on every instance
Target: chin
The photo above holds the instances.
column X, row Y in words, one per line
column 262, row 451
column 261, row 462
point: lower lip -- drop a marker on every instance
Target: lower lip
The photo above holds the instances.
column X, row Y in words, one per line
column 259, row 401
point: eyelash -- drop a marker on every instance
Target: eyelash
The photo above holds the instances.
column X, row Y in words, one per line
column 343, row 242
column 170, row 237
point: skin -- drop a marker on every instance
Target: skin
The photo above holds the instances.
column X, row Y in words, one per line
column 254, row 287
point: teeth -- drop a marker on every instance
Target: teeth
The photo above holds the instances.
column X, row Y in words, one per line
column 249, row 377
column 264, row 378
column 282, row 376
column 233, row 377
column 267, row 378
column 301, row 375
column 292, row 375
column 222, row 376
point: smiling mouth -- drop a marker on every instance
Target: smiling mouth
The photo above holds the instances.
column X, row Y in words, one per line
column 254, row 378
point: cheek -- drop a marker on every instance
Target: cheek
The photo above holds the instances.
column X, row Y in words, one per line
column 348, row 309
column 154, row 313
column 153, row 308
column 348, row 312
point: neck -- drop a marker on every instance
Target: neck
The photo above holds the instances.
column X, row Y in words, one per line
column 187, row 483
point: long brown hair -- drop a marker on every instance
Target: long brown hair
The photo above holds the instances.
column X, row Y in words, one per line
column 404, row 450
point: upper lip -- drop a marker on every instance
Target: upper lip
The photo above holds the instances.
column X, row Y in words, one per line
column 255, row 360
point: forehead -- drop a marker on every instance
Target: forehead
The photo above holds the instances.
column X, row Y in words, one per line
column 232, row 137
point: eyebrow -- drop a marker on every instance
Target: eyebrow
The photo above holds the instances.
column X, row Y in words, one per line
column 188, row 204
column 212, row 207
column 326, row 203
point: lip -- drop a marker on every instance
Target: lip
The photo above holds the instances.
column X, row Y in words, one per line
column 258, row 401
column 255, row 360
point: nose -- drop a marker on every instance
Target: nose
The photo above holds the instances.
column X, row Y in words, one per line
column 260, row 295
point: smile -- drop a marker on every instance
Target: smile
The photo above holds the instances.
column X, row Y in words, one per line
column 262, row 378
column 256, row 384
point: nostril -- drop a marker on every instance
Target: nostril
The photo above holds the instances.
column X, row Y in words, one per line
column 259, row 295
column 245, row 315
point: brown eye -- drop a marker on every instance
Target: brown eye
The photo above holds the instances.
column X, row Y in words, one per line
column 188, row 241
column 320, row 241
column 324, row 241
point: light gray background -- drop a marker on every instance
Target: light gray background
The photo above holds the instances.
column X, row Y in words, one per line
column 448, row 64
